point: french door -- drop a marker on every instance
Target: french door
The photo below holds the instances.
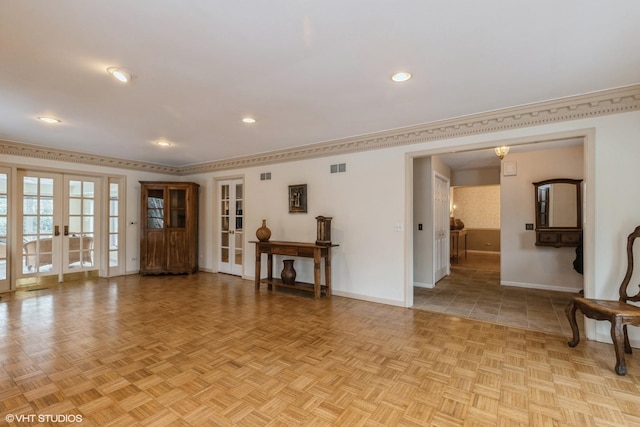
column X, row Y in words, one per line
column 4, row 230
column 231, row 226
column 58, row 220
column 440, row 227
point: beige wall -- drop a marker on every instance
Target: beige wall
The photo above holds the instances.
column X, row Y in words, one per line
column 523, row 263
column 477, row 207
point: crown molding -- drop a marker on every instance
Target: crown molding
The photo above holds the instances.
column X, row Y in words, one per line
column 611, row 101
column 38, row 152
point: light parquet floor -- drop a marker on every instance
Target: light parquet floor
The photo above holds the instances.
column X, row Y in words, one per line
column 207, row 350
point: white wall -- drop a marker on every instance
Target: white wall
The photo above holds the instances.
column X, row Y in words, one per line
column 522, row 262
column 365, row 203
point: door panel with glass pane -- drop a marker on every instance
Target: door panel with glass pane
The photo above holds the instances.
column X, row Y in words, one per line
column 41, row 221
column 115, row 258
column 231, row 231
column 5, row 284
column 79, row 228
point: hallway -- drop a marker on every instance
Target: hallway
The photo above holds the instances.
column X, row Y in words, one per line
column 473, row 291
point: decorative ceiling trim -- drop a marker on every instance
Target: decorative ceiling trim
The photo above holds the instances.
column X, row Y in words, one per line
column 39, row 152
column 612, row 101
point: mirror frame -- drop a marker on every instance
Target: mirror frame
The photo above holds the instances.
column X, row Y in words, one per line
column 577, row 183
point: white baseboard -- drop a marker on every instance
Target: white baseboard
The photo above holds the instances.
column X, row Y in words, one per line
column 423, row 285
column 540, row 286
column 368, row 298
column 475, row 251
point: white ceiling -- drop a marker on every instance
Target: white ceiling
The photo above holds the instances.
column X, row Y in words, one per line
column 309, row 71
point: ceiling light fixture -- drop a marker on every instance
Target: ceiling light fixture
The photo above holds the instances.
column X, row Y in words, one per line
column 502, row 151
column 402, row 76
column 248, row 120
column 163, row 143
column 119, row 74
column 49, row 120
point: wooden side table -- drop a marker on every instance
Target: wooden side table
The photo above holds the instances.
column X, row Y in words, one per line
column 296, row 249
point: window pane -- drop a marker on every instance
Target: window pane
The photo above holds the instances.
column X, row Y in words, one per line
column 30, row 186
column 113, row 207
column 46, row 225
column 46, row 206
column 113, row 191
column 30, row 205
column 87, row 189
column 87, row 224
column 113, row 258
column 75, row 225
column 75, row 188
column 87, row 206
column 74, row 206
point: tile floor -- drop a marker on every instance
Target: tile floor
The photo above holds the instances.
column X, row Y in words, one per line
column 473, row 291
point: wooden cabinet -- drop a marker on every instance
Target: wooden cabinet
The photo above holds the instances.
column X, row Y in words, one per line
column 558, row 237
column 168, row 227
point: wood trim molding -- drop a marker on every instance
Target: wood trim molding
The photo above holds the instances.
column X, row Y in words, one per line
column 611, row 101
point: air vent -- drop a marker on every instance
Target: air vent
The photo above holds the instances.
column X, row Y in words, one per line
column 339, row 168
column 265, row 176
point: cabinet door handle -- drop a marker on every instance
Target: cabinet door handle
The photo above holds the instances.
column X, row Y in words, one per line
column 231, row 231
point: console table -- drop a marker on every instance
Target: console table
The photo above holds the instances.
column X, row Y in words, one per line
column 455, row 244
column 296, row 249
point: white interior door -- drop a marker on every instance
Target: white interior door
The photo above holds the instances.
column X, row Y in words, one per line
column 231, row 226
column 5, row 262
column 441, row 227
column 57, row 220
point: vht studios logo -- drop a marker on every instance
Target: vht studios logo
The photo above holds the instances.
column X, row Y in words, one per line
column 43, row 418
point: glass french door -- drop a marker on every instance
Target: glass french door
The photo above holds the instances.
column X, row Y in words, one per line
column 58, row 220
column 231, row 226
column 5, row 284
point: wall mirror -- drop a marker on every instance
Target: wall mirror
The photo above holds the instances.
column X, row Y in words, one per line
column 558, row 212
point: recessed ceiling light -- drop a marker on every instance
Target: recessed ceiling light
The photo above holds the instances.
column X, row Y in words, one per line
column 120, row 74
column 163, row 143
column 48, row 120
column 248, row 120
column 402, row 76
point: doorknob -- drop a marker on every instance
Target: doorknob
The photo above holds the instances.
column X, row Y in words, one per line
column 66, row 230
column 56, row 230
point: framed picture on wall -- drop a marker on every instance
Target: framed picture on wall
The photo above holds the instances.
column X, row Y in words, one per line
column 298, row 198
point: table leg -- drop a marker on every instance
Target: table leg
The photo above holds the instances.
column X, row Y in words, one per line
column 270, row 271
column 316, row 272
column 327, row 271
column 258, row 269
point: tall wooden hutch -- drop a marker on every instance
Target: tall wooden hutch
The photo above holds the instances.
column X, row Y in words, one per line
column 169, row 227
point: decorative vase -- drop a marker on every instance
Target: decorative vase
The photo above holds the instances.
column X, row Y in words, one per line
column 288, row 274
column 459, row 224
column 263, row 233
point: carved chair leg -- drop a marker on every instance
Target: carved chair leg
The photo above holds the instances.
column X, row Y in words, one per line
column 617, row 335
column 627, row 346
column 570, row 311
